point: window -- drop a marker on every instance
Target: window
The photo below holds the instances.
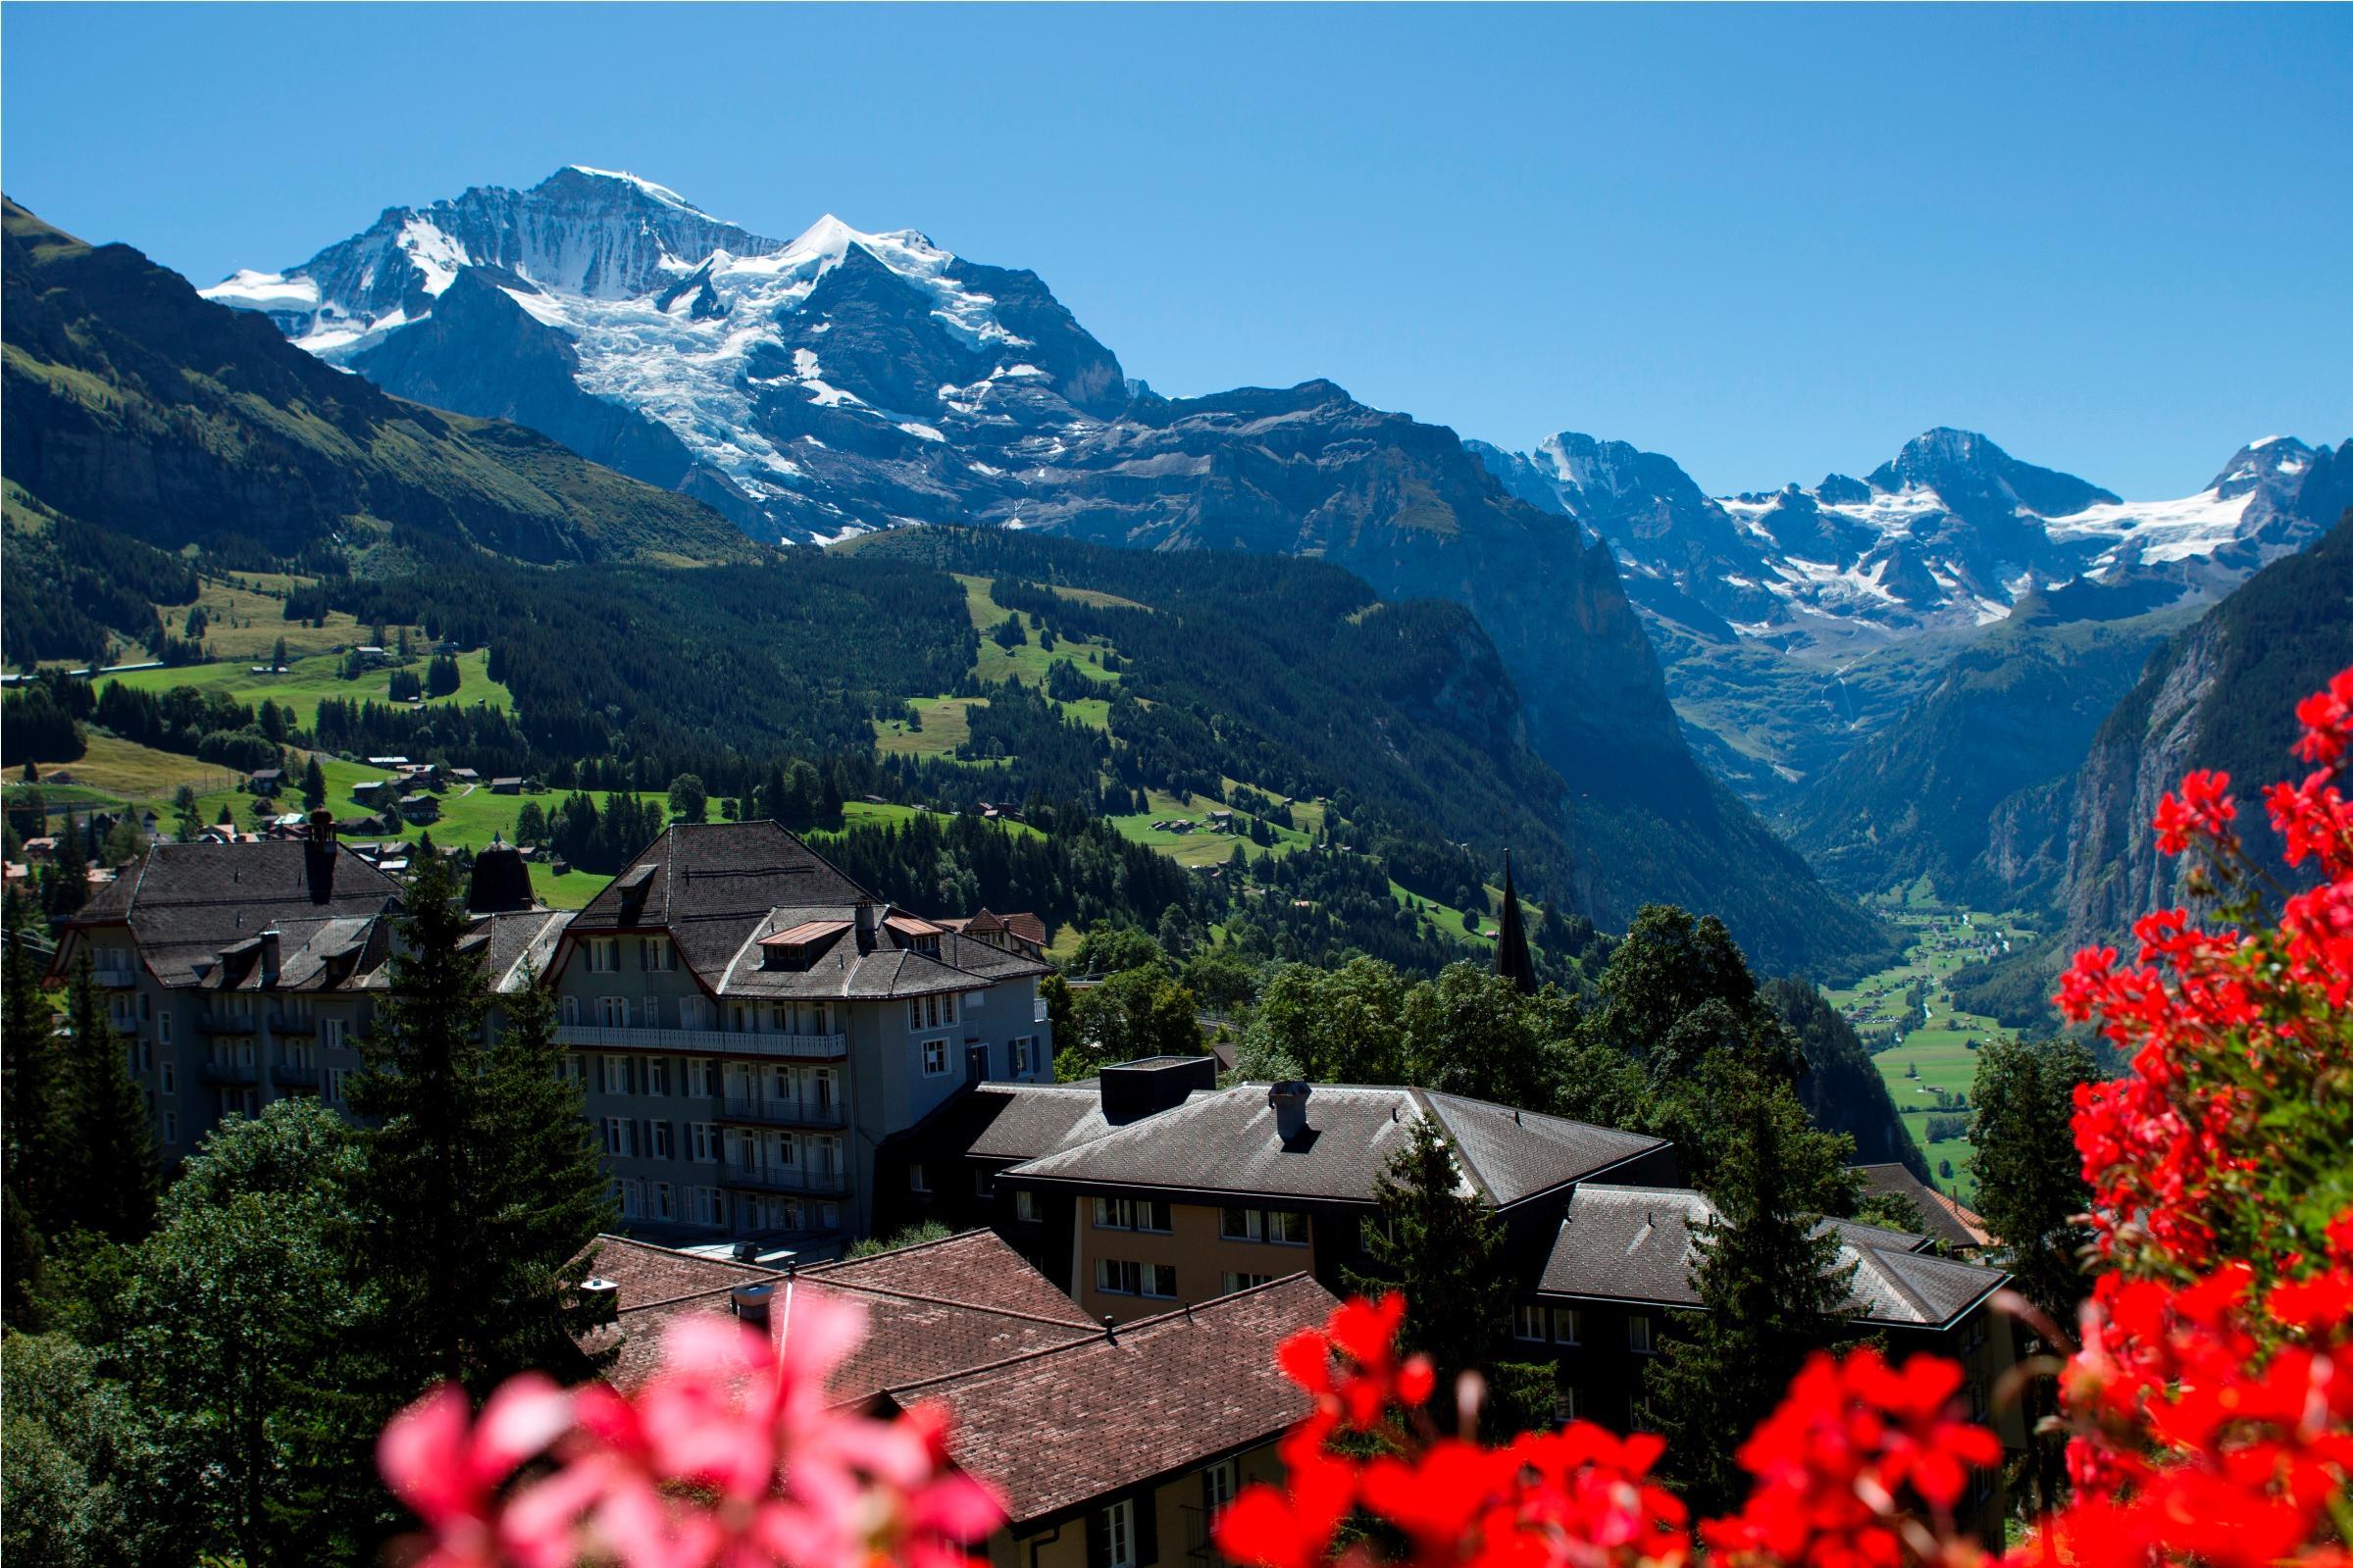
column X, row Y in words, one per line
column 604, row 955
column 918, row 1180
column 649, row 1012
column 1527, row 1323
column 931, row 1012
column 655, row 954
column 702, row 1078
column 1564, row 1406
column 1131, row 1214
column 703, row 1143
column 1025, row 1206
column 1116, row 1536
column 1638, row 1333
column 171, row 1127
column 982, row 1186
column 571, row 1009
column 655, row 1070
column 573, row 1067
column 1024, row 1048
column 338, row 1082
column 1218, row 1484
column 331, row 1032
column 663, row 1209
column 935, row 1058
column 630, row 1195
column 1279, row 1226
column 613, row 1011
column 660, row 1142
column 167, row 1077
column 163, row 1030
column 1116, row 1277
column 619, row 1136
column 1243, row 1282
column 706, row 1205
column 612, row 1074
column 1567, row 1321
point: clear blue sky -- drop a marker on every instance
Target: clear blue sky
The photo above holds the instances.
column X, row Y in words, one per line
column 1768, row 242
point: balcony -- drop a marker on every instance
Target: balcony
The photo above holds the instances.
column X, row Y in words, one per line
column 781, row 1178
column 780, row 1110
column 216, row 1023
column 289, row 1024
column 121, row 978
column 294, row 1080
column 230, row 1072
column 703, row 1041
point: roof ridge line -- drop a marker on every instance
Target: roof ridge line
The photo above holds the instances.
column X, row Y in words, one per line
column 1424, row 1102
column 950, row 1301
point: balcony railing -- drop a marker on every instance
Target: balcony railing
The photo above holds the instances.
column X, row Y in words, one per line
column 114, row 979
column 703, row 1041
column 291, row 1024
column 782, row 1178
column 288, row 1077
column 780, row 1110
column 230, row 1072
column 226, row 1023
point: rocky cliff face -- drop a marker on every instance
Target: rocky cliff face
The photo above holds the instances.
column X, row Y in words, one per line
column 2219, row 695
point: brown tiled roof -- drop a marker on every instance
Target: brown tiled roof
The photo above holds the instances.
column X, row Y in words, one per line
column 1640, row 1243
column 1061, row 1428
column 933, row 1310
column 1946, row 1218
column 1226, row 1143
column 808, row 931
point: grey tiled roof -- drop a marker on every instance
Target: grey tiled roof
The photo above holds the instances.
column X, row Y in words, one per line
column 1226, row 1143
column 186, row 903
column 515, row 938
column 1947, row 1220
column 1023, row 1121
column 1639, row 1243
column 719, row 888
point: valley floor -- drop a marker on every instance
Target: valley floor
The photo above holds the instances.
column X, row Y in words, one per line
column 1927, row 1049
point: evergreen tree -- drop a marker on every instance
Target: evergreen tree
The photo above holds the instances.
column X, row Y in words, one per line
column 1435, row 1241
column 2030, row 1186
column 108, row 1169
column 68, row 885
column 35, row 1120
column 1767, row 1276
column 480, row 1187
column 314, row 784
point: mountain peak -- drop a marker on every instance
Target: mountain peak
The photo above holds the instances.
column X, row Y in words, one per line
column 581, row 173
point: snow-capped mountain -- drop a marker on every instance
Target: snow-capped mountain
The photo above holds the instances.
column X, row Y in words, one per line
column 1953, row 530
column 801, row 387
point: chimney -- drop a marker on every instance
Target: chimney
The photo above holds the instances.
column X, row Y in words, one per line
column 323, row 827
column 602, row 1300
column 269, row 956
column 1290, row 1101
column 750, row 1302
column 865, row 920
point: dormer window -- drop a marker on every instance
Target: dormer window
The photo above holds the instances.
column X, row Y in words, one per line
column 800, row 945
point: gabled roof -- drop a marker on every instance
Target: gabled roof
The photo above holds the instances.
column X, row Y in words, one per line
column 1946, row 1218
column 932, row 1310
column 1226, row 1143
column 1060, row 1428
column 1001, row 1121
column 185, row 903
column 725, row 892
column 517, row 938
column 1640, row 1243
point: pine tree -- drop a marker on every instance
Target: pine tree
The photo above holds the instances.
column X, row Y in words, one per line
column 33, row 1101
column 314, row 784
column 545, row 1198
column 110, row 1167
column 480, row 1187
column 69, row 885
column 2030, row 1186
column 1768, row 1278
column 1439, row 1244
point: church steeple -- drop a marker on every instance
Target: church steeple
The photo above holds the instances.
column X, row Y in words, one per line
column 1512, row 960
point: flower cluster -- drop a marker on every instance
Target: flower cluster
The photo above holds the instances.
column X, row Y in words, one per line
column 731, row 1457
column 1834, row 1464
column 2224, row 1029
column 1838, row 1470
column 1369, row 1459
